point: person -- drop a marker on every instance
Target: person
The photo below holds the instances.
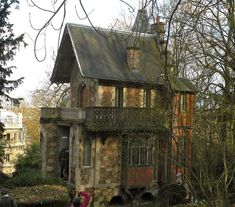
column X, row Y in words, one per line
column 6, row 200
column 64, row 163
column 179, row 178
column 81, row 200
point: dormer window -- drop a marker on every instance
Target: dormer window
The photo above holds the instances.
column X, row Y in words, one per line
column 133, row 57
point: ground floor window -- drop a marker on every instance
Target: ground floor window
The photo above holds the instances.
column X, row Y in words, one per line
column 86, row 161
column 181, row 151
column 136, row 151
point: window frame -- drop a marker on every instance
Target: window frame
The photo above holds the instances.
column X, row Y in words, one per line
column 137, row 154
column 86, row 156
column 183, row 102
column 181, row 151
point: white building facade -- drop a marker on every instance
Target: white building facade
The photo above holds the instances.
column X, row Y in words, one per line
column 15, row 134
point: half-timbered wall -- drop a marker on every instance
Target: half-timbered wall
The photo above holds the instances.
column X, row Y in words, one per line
column 182, row 131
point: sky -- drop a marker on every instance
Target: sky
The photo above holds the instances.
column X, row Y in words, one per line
column 103, row 13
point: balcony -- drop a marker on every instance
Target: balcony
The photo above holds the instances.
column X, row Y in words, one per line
column 113, row 119
column 106, row 118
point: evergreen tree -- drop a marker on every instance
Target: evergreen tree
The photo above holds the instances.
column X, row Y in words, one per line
column 9, row 43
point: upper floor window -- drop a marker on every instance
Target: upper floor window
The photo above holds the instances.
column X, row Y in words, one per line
column 183, row 102
column 86, row 160
column 8, row 136
column 9, row 119
column 6, row 157
column 133, row 97
column 119, row 96
column 83, row 97
column 106, row 96
column 20, row 136
column 153, row 98
column 110, row 96
column 15, row 137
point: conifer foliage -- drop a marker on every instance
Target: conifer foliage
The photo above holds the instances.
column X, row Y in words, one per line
column 9, row 44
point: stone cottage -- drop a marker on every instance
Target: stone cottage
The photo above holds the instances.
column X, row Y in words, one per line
column 116, row 139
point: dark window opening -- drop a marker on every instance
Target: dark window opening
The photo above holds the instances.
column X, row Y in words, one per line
column 119, row 97
column 7, row 157
column 8, row 136
column 86, row 161
column 181, row 158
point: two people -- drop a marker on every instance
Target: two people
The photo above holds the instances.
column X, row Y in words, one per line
column 6, row 200
column 82, row 199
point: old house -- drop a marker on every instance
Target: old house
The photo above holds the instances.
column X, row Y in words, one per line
column 116, row 139
column 15, row 137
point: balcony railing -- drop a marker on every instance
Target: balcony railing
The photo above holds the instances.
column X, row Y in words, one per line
column 115, row 118
column 106, row 118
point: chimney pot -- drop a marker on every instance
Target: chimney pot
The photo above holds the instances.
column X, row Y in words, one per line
column 158, row 19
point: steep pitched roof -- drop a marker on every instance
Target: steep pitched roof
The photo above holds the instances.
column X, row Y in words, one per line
column 141, row 23
column 104, row 57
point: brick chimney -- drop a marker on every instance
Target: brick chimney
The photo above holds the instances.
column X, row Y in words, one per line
column 133, row 57
column 158, row 26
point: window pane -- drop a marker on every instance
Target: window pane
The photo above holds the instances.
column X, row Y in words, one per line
column 133, row 97
column 106, row 96
column 87, row 151
column 183, row 102
column 139, row 151
column 153, row 98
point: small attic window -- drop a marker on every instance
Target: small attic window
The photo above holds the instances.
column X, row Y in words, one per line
column 133, row 57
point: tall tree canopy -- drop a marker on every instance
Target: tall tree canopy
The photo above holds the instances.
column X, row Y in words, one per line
column 9, row 43
column 203, row 49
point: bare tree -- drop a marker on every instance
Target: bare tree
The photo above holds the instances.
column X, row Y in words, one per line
column 203, row 50
column 51, row 95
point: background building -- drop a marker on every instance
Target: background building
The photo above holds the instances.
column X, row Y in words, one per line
column 15, row 135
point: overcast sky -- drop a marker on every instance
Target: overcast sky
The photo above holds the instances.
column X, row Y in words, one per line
column 103, row 14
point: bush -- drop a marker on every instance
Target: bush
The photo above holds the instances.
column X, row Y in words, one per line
column 30, row 177
column 3, row 178
column 195, row 204
column 29, row 160
column 41, row 195
column 172, row 194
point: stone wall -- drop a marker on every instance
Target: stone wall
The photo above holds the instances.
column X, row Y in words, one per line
column 49, row 148
column 102, row 178
column 77, row 82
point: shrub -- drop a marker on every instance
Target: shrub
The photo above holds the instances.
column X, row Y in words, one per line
column 29, row 160
column 30, row 177
column 41, row 196
column 172, row 193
